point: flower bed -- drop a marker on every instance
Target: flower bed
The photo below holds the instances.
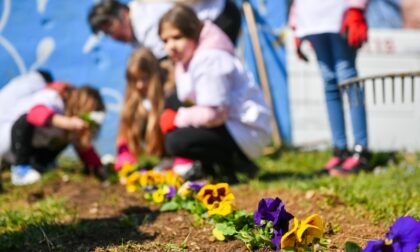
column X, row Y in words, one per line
column 268, row 226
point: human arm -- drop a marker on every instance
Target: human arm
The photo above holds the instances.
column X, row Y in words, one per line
column 42, row 116
column 200, row 116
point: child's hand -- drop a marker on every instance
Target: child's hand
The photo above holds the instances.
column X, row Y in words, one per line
column 76, row 124
column 68, row 123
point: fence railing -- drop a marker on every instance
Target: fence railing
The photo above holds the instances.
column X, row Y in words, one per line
column 379, row 85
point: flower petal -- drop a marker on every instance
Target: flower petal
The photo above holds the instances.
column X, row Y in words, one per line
column 376, row 246
column 289, row 239
column 405, row 233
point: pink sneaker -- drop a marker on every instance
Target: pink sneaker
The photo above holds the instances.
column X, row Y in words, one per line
column 353, row 164
column 339, row 156
column 182, row 166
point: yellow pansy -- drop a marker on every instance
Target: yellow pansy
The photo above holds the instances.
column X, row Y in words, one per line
column 131, row 188
column 125, row 170
column 209, row 194
column 150, row 178
column 158, row 196
column 303, row 232
column 133, row 178
column 185, row 190
column 173, row 179
column 222, row 208
column 312, row 227
column 288, row 240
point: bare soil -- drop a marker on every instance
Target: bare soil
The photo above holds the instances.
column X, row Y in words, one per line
column 113, row 218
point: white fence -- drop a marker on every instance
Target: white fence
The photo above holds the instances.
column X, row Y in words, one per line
column 391, row 126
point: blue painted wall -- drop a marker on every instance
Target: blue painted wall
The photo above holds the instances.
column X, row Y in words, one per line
column 55, row 35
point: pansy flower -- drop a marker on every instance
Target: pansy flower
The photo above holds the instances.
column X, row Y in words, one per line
column 222, row 208
column 189, row 188
column 303, row 233
column 151, row 178
column 169, row 191
column 273, row 210
column 209, row 194
column 173, row 179
column 158, row 196
column 403, row 236
column 132, row 182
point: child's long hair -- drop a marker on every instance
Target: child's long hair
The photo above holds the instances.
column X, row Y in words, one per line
column 79, row 101
column 138, row 126
column 183, row 18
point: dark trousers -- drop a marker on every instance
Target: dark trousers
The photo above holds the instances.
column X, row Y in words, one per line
column 24, row 152
column 230, row 20
column 212, row 146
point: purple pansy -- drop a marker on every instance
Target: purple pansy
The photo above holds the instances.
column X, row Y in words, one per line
column 196, row 186
column 403, row 236
column 171, row 193
column 273, row 210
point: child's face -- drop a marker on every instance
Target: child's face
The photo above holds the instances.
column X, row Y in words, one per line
column 141, row 84
column 119, row 28
column 177, row 46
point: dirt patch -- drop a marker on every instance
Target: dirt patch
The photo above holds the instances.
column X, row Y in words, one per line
column 112, row 217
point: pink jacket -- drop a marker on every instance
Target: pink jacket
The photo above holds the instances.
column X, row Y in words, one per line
column 211, row 37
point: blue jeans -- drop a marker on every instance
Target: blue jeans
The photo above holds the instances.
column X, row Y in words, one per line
column 337, row 63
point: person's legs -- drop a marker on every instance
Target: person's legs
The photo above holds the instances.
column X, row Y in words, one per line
column 21, row 143
column 22, row 133
column 345, row 68
column 208, row 145
column 322, row 45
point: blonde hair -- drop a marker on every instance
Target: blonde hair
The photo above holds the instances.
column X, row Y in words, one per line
column 81, row 100
column 139, row 127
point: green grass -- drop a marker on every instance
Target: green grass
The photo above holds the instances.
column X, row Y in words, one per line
column 40, row 222
column 390, row 191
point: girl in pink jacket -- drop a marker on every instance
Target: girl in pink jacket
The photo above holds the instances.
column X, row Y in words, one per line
column 218, row 115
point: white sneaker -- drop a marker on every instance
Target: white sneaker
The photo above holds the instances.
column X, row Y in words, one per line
column 24, row 175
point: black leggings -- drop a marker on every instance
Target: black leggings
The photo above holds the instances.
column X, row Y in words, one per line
column 212, row 146
column 230, row 20
column 24, row 152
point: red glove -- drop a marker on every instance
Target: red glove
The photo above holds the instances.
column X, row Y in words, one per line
column 354, row 27
column 167, row 120
column 301, row 55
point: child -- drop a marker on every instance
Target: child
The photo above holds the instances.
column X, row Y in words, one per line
column 139, row 131
column 336, row 29
column 221, row 115
column 41, row 122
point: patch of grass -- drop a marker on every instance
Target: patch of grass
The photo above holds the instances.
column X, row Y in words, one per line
column 390, row 191
column 34, row 224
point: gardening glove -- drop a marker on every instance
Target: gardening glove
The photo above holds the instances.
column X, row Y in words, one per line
column 167, row 120
column 300, row 54
column 354, row 27
column 124, row 157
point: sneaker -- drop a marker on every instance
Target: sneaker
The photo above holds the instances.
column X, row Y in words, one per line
column 24, row 175
column 101, row 173
column 181, row 166
column 353, row 164
column 188, row 169
column 339, row 156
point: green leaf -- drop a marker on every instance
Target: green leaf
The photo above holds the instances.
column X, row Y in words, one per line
column 352, row 247
column 226, row 229
column 169, row 206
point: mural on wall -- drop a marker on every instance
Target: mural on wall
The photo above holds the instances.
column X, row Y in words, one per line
column 55, row 36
